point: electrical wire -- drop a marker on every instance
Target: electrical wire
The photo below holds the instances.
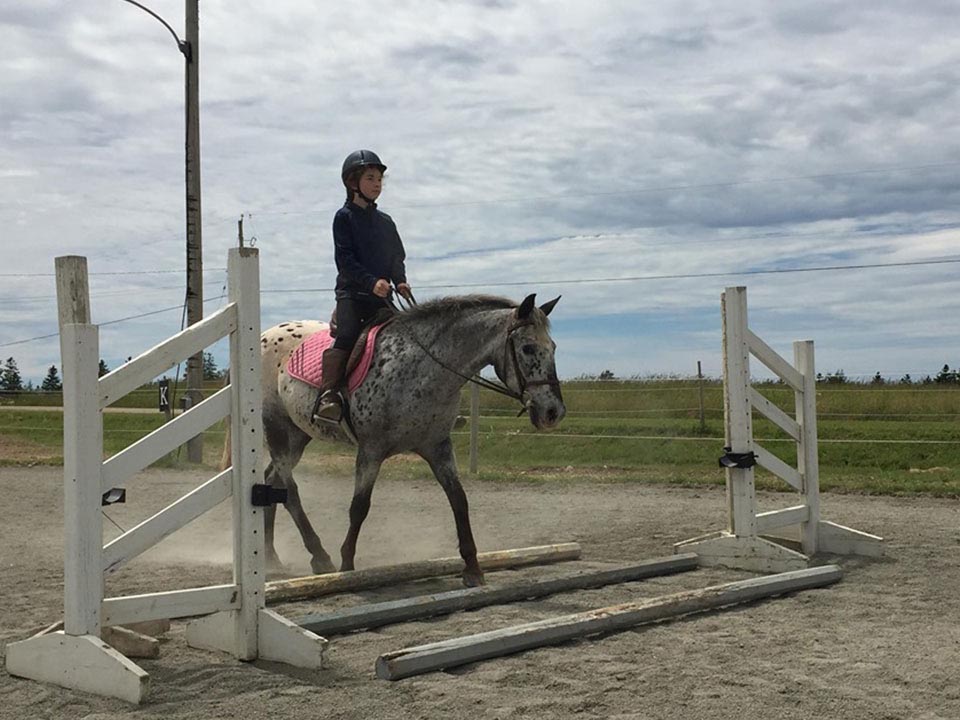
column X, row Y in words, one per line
column 112, row 273
column 108, row 322
column 646, row 278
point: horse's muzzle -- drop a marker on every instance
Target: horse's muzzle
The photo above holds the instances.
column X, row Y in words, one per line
column 544, row 418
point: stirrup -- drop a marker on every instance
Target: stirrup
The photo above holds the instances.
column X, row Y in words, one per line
column 328, row 408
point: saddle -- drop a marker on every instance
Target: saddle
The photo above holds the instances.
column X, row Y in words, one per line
column 381, row 318
column 306, row 361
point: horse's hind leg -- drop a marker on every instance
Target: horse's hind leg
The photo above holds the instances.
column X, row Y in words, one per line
column 444, row 466
column 320, row 561
column 368, row 467
column 286, row 443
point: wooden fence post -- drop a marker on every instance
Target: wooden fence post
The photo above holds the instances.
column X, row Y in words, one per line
column 474, row 426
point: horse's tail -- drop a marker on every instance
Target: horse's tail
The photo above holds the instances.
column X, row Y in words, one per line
column 226, row 457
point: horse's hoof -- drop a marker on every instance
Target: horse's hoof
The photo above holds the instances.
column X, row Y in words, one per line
column 473, row 579
column 322, row 566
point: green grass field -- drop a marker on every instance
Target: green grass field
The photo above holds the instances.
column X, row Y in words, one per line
column 890, row 439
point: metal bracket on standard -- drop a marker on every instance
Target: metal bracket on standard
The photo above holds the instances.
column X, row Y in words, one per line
column 114, row 495
column 264, row 495
column 738, row 460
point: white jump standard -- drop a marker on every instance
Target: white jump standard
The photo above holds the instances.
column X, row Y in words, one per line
column 237, row 621
column 746, row 544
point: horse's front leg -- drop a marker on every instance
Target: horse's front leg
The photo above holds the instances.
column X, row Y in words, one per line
column 444, row 466
column 368, row 467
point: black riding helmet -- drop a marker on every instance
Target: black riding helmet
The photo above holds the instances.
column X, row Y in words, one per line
column 358, row 160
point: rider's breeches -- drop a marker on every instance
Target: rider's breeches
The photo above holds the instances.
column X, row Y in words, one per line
column 352, row 314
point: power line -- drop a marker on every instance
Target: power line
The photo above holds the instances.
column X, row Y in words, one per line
column 21, row 342
column 140, row 290
column 568, row 281
column 645, row 278
column 109, row 322
column 114, row 272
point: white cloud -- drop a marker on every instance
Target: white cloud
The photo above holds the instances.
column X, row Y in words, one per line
column 527, row 142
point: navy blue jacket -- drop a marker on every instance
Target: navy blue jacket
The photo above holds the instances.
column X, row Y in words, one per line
column 367, row 247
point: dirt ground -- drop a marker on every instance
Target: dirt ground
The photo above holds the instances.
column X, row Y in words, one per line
column 883, row 643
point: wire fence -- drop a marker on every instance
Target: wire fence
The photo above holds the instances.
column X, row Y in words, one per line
column 630, row 423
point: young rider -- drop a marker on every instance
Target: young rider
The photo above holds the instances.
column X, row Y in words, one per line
column 369, row 256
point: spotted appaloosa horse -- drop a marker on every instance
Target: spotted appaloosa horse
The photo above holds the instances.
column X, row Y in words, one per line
column 408, row 403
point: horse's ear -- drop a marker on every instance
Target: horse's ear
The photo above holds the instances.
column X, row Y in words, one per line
column 548, row 306
column 526, row 307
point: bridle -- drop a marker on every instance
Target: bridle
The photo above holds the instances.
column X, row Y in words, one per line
column 552, row 380
column 509, row 352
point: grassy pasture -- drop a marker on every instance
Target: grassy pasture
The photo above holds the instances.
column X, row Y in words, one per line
column 890, row 439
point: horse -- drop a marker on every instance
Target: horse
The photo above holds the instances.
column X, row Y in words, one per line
column 408, row 402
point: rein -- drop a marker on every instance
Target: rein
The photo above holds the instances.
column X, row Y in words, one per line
column 495, row 386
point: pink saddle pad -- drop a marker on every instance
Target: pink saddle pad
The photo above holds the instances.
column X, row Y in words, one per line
column 306, row 361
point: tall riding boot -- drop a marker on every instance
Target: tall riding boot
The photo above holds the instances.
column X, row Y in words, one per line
column 329, row 405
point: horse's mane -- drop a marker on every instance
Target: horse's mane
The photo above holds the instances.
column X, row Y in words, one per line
column 454, row 305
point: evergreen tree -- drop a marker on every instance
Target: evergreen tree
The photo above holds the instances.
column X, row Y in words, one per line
column 836, row 378
column 947, row 376
column 103, row 369
column 10, row 379
column 51, row 383
column 210, row 369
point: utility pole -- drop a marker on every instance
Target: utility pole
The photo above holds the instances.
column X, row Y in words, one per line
column 190, row 47
column 194, row 236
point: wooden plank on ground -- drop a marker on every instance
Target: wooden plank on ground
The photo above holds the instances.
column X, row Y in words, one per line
column 313, row 586
column 424, row 606
column 460, row 651
column 129, row 643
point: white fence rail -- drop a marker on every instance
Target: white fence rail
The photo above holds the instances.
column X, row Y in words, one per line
column 237, row 621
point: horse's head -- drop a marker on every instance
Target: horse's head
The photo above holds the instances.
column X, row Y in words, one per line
column 527, row 364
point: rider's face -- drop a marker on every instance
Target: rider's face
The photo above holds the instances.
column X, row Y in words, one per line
column 371, row 183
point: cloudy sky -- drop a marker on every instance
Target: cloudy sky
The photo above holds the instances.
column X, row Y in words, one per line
column 635, row 157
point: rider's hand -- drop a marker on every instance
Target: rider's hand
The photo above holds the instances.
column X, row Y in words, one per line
column 382, row 288
column 404, row 290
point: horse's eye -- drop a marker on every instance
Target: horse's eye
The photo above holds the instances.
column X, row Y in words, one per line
column 529, row 349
